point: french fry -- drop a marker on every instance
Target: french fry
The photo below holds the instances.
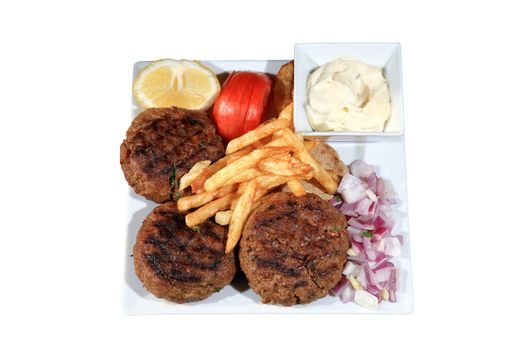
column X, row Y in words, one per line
column 240, row 214
column 200, row 199
column 244, row 176
column 320, row 174
column 194, row 172
column 296, row 187
column 277, row 140
column 207, row 211
column 287, row 114
column 270, row 181
column 223, row 217
column 196, row 200
column 276, row 166
column 264, row 130
column 261, row 192
column 248, row 161
column 198, row 183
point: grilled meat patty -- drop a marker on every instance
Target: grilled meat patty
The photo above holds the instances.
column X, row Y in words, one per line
column 162, row 144
column 179, row 263
column 293, row 249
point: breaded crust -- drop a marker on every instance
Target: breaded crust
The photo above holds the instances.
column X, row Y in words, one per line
column 162, row 142
column 179, row 263
column 329, row 159
column 283, row 87
column 293, row 249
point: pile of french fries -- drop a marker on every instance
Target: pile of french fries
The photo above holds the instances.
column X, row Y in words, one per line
column 255, row 163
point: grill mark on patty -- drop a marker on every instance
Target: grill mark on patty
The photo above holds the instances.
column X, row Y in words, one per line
column 268, row 221
column 276, row 265
column 157, row 157
column 288, row 236
column 175, row 245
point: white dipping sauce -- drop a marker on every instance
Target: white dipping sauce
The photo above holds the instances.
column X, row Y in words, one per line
column 347, row 95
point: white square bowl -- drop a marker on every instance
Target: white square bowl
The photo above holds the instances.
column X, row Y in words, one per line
column 386, row 55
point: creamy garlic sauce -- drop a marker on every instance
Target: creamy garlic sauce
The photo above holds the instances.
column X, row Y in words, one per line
column 347, row 95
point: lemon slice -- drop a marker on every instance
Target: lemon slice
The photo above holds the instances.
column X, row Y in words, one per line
column 180, row 83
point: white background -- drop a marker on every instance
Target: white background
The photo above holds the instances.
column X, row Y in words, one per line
column 65, row 101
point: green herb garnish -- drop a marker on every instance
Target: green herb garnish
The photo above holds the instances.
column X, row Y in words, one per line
column 335, row 228
column 173, row 181
column 197, row 229
column 367, row 234
column 202, row 144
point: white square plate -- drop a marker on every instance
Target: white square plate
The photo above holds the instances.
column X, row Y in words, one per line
column 386, row 55
column 389, row 156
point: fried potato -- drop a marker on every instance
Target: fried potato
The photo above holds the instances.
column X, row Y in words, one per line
column 198, row 183
column 240, row 215
column 246, row 175
column 320, row 174
column 281, row 167
column 270, row 181
column 207, row 211
column 223, row 217
column 194, row 172
column 248, row 161
column 283, row 86
column 277, row 140
column 296, row 188
column 261, row 192
column 200, row 199
column 264, row 130
column 287, row 114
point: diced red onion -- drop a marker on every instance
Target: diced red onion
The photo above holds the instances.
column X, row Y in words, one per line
column 374, row 290
column 392, row 246
column 357, row 237
column 338, row 289
column 360, row 169
column 355, row 223
column 357, row 247
column 372, row 183
column 353, row 230
column 392, row 296
column 364, row 298
column 387, row 194
column 350, row 181
column 357, row 260
column 382, row 275
column 381, row 264
column 335, row 201
column 349, row 268
column 361, row 278
column 370, row 194
column 393, row 282
column 352, row 195
column 348, row 209
column 348, row 294
column 378, row 245
column 371, row 254
column 367, row 205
